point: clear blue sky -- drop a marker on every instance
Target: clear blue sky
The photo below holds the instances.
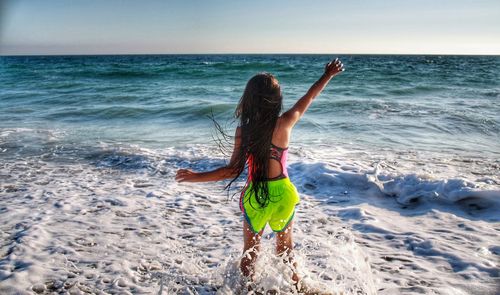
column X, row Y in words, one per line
column 237, row 26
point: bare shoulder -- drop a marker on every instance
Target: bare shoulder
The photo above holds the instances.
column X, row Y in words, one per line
column 291, row 116
column 287, row 119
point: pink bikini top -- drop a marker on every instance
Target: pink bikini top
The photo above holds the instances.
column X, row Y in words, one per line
column 277, row 153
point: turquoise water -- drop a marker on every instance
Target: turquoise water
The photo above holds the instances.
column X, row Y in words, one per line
column 397, row 164
column 439, row 104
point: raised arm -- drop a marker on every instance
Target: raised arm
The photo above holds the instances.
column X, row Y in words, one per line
column 225, row 172
column 295, row 113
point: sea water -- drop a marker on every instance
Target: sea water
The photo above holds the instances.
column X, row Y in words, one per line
column 397, row 162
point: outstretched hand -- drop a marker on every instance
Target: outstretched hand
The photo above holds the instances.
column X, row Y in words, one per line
column 185, row 175
column 334, row 67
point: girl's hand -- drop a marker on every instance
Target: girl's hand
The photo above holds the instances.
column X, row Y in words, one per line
column 185, row 175
column 334, row 67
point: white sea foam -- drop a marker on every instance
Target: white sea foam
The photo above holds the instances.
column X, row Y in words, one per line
column 113, row 220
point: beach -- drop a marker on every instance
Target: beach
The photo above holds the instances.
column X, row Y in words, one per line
column 397, row 166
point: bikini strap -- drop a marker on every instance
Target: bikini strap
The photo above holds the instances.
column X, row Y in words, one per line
column 277, row 154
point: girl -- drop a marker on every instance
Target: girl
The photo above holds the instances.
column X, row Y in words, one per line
column 261, row 143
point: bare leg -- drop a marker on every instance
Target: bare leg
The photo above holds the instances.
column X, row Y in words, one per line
column 250, row 249
column 284, row 246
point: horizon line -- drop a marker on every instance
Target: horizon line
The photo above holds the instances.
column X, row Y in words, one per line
column 243, row 53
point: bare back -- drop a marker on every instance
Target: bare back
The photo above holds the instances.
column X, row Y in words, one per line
column 281, row 139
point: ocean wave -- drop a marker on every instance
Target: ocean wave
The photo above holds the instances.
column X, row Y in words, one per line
column 471, row 123
column 65, row 85
column 115, row 74
column 419, row 102
column 318, row 179
column 410, row 191
column 473, row 198
column 99, row 113
column 199, row 112
column 415, row 90
column 157, row 71
column 348, row 183
column 367, row 106
column 254, row 66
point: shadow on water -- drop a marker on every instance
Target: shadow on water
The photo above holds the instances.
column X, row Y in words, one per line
column 426, row 248
column 126, row 161
column 120, row 160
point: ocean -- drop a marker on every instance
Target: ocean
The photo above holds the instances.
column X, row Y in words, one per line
column 397, row 163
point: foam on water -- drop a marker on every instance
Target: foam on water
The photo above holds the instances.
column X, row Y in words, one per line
column 110, row 218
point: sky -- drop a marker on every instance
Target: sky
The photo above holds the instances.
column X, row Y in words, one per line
column 237, row 26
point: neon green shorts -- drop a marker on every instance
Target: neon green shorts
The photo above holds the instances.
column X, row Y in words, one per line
column 278, row 213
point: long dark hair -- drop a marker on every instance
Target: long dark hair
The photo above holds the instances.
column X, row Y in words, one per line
column 258, row 111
